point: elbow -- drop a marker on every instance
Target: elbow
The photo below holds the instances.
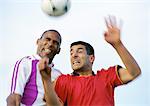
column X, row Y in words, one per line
column 135, row 75
column 10, row 101
column 13, row 100
column 138, row 72
column 132, row 76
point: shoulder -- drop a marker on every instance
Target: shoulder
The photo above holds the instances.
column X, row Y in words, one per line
column 109, row 70
column 111, row 75
column 63, row 81
column 25, row 59
column 64, row 78
column 24, row 64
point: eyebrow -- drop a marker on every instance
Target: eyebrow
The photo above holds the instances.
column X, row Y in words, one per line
column 77, row 49
column 53, row 40
column 80, row 48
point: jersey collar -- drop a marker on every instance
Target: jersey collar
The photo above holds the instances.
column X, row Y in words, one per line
column 77, row 74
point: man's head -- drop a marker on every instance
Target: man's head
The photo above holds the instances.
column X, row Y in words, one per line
column 82, row 56
column 49, row 44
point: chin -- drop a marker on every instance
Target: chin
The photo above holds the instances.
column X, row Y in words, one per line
column 50, row 55
column 76, row 68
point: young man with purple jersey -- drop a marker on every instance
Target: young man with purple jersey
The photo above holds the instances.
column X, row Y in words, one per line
column 27, row 85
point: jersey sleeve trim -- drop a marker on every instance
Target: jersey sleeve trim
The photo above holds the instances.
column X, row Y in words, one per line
column 116, row 70
column 15, row 75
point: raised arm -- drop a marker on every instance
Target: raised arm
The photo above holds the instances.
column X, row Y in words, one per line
column 50, row 95
column 112, row 36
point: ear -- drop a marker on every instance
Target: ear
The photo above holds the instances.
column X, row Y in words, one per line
column 91, row 58
column 37, row 41
column 58, row 50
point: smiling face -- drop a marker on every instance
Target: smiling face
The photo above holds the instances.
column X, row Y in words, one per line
column 49, row 44
column 80, row 60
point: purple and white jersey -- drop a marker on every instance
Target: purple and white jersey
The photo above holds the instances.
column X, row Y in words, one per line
column 27, row 81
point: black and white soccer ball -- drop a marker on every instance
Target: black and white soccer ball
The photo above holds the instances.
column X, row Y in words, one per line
column 55, row 7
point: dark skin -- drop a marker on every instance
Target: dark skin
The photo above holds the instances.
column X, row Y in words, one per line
column 52, row 43
column 47, row 47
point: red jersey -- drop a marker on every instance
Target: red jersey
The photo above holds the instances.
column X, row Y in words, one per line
column 93, row 90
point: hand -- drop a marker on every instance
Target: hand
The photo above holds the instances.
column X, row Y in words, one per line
column 112, row 35
column 44, row 69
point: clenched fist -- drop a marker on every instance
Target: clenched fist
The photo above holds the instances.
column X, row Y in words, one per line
column 44, row 69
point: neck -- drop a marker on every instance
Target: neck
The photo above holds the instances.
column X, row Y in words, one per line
column 84, row 73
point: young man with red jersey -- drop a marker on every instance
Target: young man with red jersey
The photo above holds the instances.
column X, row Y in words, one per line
column 83, row 87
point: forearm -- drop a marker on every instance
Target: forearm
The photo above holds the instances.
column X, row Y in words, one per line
column 129, row 62
column 50, row 94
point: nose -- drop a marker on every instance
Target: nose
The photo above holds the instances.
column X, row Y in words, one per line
column 75, row 54
column 49, row 43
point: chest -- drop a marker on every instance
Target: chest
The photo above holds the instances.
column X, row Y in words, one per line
column 89, row 87
column 33, row 90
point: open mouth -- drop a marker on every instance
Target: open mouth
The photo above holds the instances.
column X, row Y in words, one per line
column 46, row 51
column 75, row 62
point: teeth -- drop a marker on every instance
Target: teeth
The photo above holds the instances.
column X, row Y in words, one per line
column 75, row 62
column 47, row 50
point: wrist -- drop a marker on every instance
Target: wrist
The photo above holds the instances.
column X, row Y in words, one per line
column 46, row 79
column 117, row 44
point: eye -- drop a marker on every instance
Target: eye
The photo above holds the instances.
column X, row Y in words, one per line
column 71, row 53
column 55, row 43
column 80, row 51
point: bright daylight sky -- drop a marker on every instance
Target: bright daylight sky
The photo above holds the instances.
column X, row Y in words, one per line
column 22, row 22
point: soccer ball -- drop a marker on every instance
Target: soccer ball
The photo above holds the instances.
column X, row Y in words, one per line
column 55, row 7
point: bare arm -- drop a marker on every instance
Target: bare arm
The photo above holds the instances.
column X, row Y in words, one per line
column 13, row 100
column 132, row 69
column 50, row 95
column 112, row 36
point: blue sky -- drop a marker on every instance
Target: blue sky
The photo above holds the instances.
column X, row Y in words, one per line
column 22, row 22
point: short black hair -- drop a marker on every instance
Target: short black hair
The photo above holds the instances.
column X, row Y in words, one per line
column 52, row 30
column 89, row 48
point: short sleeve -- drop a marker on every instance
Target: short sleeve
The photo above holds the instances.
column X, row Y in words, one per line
column 61, row 87
column 21, row 74
column 111, row 75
